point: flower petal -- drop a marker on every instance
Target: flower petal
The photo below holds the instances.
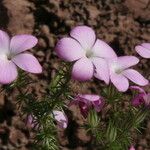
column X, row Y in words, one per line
column 146, row 45
column 88, row 97
column 102, row 49
column 120, row 82
column 139, row 89
column 20, row 43
column 69, row 49
column 4, row 42
column 27, row 62
column 84, row 108
column 83, row 70
column 143, row 51
column 147, row 100
column 8, row 71
column 138, row 100
column 135, row 77
column 84, row 35
column 127, row 61
column 61, row 119
column 31, row 122
column 98, row 105
column 132, row 148
column 102, row 70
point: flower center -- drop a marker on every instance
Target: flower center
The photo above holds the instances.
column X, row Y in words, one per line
column 3, row 57
column 9, row 57
column 89, row 53
column 116, row 68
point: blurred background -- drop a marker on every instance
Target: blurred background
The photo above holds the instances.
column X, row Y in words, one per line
column 121, row 23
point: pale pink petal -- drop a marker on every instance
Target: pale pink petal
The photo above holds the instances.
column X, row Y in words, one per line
column 102, row 70
column 4, row 42
column 84, row 35
column 102, row 49
column 61, row 119
column 135, row 77
column 31, row 122
column 98, row 105
column 89, row 97
column 83, row 70
column 83, row 104
column 147, row 99
column 27, row 62
column 84, row 108
column 120, row 82
column 141, row 90
column 20, row 43
column 127, row 61
column 69, row 49
column 146, row 45
column 143, row 51
column 8, row 71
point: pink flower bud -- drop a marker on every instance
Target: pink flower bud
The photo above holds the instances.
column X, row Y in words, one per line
column 31, row 122
column 87, row 102
column 141, row 98
column 61, row 118
column 132, row 148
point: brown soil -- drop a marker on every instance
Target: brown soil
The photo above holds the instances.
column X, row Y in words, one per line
column 121, row 23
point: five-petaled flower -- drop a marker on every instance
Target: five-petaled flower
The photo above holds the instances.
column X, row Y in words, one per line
column 61, row 119
column 87, row 102
column 120, row 72
column 11, row 56
column 90, row 54
column 141, row 98
column 143, row 50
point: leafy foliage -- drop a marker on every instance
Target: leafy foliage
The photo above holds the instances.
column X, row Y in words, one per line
column 42, row 109
column 113, row 135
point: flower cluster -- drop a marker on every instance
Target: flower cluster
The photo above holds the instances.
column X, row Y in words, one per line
column 91, row 57
column 94, row 57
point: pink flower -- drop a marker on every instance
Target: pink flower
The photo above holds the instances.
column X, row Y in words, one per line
column 88, row 52
column 31, row 122
column 61, row 119
column 120, row 72
column 143, row 50
column 11, row 56
column 132, row 148
column 87, row 102
column 141, row 98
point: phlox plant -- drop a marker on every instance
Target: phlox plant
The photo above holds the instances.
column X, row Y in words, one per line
column 84, row 57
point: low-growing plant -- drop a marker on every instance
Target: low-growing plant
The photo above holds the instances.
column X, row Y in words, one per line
column 84, row 57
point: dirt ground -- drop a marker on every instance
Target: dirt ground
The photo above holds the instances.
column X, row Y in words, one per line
column 121, row 23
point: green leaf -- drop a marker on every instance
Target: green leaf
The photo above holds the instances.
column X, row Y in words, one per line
column 111, row 132
column 93, row 119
